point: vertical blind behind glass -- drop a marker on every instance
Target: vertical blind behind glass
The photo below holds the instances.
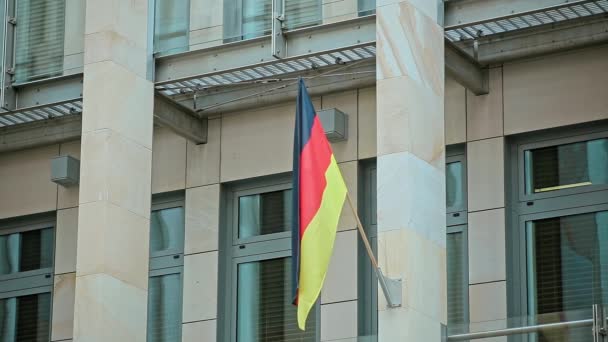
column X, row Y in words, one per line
column 567, row 166
column 26, row 251
column 164, row 308
column 263, row 214
column 167, row 230
column 265, row 312
column 39, row 43
column 26, row 318
column 456, row 283
column 567, row 269
column 171, row 25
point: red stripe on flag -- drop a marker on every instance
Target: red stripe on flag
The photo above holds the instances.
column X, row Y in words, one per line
column 314, row 161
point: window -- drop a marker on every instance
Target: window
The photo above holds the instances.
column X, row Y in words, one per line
column 26, row 279
column 457, row 240
column 166, row 269
column 246, row 19
column 366, row 7
column 368, row 281
column 171, row 26
column 257, row 262
column 39, row 39
column 560, row 238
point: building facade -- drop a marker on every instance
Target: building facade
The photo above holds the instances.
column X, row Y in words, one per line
column 146, row 155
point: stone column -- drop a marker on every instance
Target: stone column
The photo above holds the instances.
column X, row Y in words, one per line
column 115, row 176
column 411, row 171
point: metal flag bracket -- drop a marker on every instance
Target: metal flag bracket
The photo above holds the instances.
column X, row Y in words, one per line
column 391, row 289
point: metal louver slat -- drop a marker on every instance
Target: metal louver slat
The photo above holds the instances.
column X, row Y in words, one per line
column 543, row 16
column 40, row 113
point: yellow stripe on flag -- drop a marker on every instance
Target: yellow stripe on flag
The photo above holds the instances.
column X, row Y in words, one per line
column 318, row 242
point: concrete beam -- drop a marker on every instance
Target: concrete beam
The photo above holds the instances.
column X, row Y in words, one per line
column 181, row 119
column 468, row 11
column 238, row 54
column 465, row 70
column 540, row 41
column 40, row 133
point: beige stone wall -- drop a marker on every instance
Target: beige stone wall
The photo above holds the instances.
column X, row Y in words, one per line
column 528, row 95
column 248, row 144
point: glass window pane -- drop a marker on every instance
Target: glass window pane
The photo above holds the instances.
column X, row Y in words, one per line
column 25, row 319
column 567, row 268
column 256, row 18
column 27, row 251
column 456, row 285
column 164, row 308
column 263, row 214
column 367, row 7
column 454, row 185
column 264, row 309
column 302, row 13
column 167, row 230
column 171, row 25
column 566, row 166
column 39, row 39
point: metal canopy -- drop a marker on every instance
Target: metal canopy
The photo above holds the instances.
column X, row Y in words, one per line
column 269, row 71
column 525, row 20
column 41, row 112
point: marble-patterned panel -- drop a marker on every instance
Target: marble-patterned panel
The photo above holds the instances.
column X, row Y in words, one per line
column 410, row 44
column 411, row 195
column 25, row 182
column 486, row 174
column 203, row 160
column 406, row 324
column 200, row 287
column 337, row 10
column 202, row 219
column 66, row 235
column 341, row 281
column 339, row 321
column 410, row 119
column 206, row 13
column 206, row 37
column 199, row 331
column 168, row 161
column 62, row 326
column 485, row 112
column 430, row 8
column 130, row 111
column 113, row 241
column 487, row 246
column 455, row 112
column 482, row 294
column 114, row 168
column 421, row 264
column 108, row 309
column 350, row 171
column 367, row 123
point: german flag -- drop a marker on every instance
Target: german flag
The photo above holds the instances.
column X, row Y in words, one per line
column 318, row 196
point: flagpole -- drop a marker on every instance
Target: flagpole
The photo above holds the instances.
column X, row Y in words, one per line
column 390, row 287
column 370, row 253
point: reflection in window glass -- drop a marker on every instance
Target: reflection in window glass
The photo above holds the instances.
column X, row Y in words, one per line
column 26, row 318
column 456, row 283
column 39, row 39
column 171, row 25
column 265, row 311
column 256, row 18
column 454, row 185
column 567, row 269
column 26, row 251
column 263, row 214
column 164, row 308
column 302, row 13
column 367, row 7
column 566, row 166
column 167, row 230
